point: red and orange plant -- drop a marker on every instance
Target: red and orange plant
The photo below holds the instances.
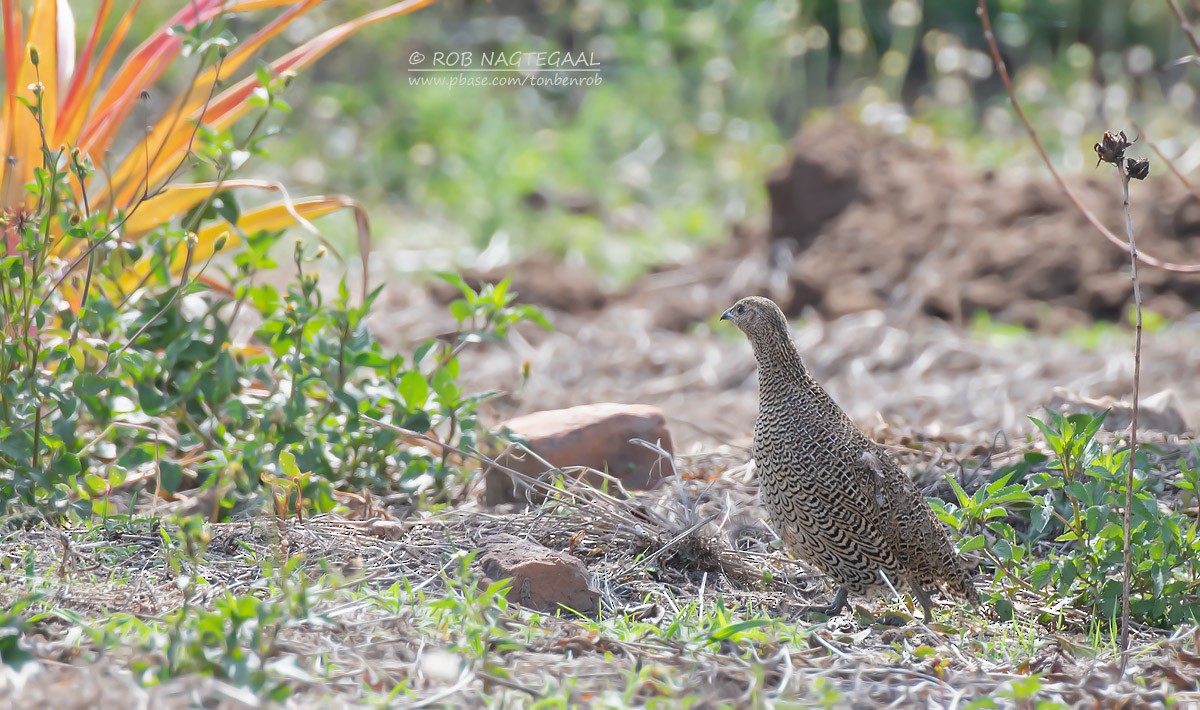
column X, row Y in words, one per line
column 66, row 109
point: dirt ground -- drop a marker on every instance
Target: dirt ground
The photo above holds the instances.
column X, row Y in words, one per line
column 883, row 252
column 648, row 557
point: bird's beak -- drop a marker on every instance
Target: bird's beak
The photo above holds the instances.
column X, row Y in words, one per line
column 727, row 315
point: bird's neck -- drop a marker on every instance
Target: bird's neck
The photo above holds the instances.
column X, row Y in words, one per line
column 779, row 364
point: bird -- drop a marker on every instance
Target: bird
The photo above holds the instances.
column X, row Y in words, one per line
column 836, row 498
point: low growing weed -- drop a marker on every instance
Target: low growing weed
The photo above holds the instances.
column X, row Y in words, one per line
column 1053, row 525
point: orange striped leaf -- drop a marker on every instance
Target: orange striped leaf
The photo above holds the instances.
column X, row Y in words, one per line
column 233, row 103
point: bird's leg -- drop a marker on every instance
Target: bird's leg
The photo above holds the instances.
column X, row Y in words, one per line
column 835, row 607
column 926, row 603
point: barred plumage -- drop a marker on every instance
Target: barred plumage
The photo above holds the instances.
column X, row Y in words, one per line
column 837, row 499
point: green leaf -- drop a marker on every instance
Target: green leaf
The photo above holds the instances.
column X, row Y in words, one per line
column 65, row 465
column 117, row 476
column 67, row 406
column 499, row 291
column 444, row 385
column 1004, row 609
column 287, row 462
column 149, row 399
column 973, row 543
column 225, row 206
column 1053, row 437
column 1003, row 549
column 1093, row 424
column 170, row 476
column 730, row 630
column 1041, row 515
column 461, row 310
column 1042, row 572
column 532, row 313
column 457, row 281
column 1067, row 575
column 423, row 350
column 95, row 484
column 414, row 390
column 78, row 356
column 89, row 385
column 964, row 500
column 18, row 445
column 12, row 266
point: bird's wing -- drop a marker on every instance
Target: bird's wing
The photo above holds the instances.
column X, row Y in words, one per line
column 919, row 541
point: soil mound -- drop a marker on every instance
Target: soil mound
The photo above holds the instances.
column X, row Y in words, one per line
column 862, row 221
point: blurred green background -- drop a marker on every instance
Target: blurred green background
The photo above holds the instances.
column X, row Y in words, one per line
column 696, row 105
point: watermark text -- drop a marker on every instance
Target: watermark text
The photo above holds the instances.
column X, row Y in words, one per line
column 518, row 68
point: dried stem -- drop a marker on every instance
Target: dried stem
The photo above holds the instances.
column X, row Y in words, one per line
column 1185, row 26
column 1187, row 184
column 1127, row 572
column 1092, row 219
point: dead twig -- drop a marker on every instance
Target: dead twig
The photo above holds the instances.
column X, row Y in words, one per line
column 1133, row 426
column 1187, row 184
column 1186, row 26
column 1111, row 149
column 1092, row 219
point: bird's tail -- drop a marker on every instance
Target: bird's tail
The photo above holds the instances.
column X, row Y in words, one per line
column 962, row 582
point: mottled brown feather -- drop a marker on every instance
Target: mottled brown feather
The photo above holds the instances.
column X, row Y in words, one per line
column 837, row 499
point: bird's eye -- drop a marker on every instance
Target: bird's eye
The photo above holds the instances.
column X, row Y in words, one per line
column 740, row 308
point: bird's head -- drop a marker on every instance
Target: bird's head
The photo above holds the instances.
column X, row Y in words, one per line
column 756, row 317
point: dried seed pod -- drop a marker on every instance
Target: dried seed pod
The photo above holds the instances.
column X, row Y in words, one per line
column 1137, row 169
column 1111, row 148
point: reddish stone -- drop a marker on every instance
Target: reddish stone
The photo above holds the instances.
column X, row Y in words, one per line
column 595, row 435
column 542, row 579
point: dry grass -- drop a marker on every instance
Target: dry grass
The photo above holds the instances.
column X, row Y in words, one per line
column 689, row 553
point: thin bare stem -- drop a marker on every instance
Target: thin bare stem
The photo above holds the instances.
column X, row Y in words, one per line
column 77, row 168
column 1185, row 26
column 183, row 284
column 1127, row 572
column 1187, row 184
column 1092, row 219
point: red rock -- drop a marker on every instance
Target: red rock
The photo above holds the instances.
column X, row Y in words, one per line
column 593, row 435
column 542, row 579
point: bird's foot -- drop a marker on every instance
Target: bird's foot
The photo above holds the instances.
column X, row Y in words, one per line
column 926, row 603
column 832, row 609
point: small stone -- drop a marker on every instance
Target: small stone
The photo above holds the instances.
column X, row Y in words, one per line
column 894, row 635
column 598, row 436
column 441, row 667
column 542, row 579
column 385, row 529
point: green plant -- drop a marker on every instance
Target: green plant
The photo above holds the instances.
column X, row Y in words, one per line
column 825, row 694
column 1054, row 525
column 65, row 265
column 477, row 613
column 1022, row 692
column 237, row 640
column 119, row 368
column 14, row 624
